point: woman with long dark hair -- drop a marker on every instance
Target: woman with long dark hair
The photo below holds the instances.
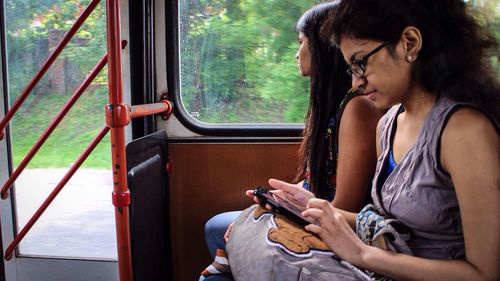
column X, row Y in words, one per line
column 337, row 155
column 337, row 161
column 437, row 179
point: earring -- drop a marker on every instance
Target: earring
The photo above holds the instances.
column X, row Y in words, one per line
column 409, row 59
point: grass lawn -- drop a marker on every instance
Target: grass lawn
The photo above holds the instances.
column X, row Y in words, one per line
column 74, row 133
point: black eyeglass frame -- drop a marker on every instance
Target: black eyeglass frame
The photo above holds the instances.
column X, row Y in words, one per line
column 361, row 63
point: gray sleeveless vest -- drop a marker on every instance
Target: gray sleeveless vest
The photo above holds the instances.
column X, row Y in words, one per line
column 418, row 192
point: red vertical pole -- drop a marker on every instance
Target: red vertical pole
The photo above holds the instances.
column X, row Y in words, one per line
column 117, row 118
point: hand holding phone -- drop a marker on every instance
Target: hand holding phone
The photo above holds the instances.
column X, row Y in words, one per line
column 282, row 207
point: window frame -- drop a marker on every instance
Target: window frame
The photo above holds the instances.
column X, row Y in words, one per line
column 283, row 130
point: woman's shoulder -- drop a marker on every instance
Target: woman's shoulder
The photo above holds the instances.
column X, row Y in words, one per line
column 468, row 120
column 360, row 114
column 468, row 131
column 363, row 107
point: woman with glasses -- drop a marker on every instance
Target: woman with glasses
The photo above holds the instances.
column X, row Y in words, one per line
column 337, row 155
column 437, row 179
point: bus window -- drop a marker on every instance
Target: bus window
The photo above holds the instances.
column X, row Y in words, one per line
column 237, row 61
column 80, row 222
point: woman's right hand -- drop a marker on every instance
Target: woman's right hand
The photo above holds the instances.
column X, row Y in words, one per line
column 293, row 193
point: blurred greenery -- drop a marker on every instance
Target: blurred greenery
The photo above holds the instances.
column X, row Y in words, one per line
column 487, row 13
column 238, row 60
column 34, row 28
column 69, row 139
column 238, row 63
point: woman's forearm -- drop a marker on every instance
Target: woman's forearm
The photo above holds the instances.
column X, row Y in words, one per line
column 409, row 268
column 350, row 217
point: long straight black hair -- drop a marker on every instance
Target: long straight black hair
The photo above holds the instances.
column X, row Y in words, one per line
column 329, row 83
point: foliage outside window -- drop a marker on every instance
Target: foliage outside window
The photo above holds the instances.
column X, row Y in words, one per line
column 80, row 221
column 487, row 12
column 237, row 61
column 34, row 28
column 237, row 58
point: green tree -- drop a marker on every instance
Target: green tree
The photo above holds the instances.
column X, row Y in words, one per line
column 487, row 12
column 238, row 63
column 33, row 30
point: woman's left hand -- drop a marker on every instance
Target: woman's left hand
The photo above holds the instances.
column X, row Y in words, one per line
column 334, row 230
column 228, row 232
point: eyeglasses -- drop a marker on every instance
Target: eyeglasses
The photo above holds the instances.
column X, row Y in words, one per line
column 357, row 67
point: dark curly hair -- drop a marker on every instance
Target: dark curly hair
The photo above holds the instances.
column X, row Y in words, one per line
column 328, row 85
column 453, row 61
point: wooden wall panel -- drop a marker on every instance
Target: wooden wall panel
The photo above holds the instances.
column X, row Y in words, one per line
column 208, row 179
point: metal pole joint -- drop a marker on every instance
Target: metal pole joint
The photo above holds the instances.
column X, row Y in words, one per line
column 117, row 115
column 121, row 199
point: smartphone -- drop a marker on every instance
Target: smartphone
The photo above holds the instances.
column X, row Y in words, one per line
column 282, row 207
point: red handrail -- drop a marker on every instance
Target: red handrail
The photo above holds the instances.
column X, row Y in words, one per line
column 53, row 194
column 117, row 118
column 45, row 66
column 62, row 113
column 163, row 106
